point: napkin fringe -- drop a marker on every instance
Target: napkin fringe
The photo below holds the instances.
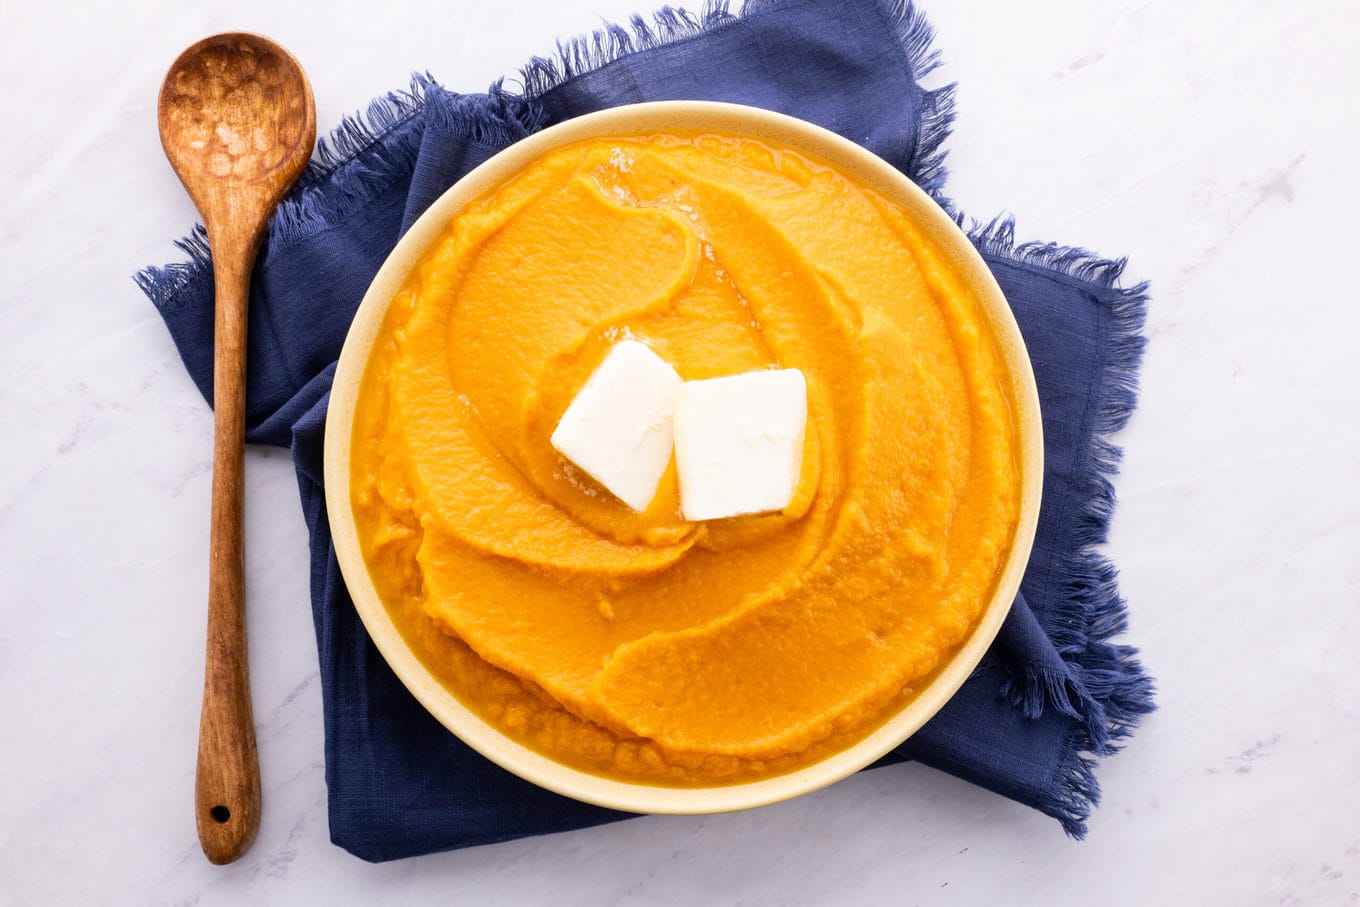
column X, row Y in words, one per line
column 1105, row 687
column 363, row 129
column 164, row 284
column 1077, row 791
column 613, row 41
column 917, row 39
column 355, row 163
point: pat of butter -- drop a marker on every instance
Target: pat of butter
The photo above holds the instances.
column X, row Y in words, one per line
column 618, row 428
column 739, row 443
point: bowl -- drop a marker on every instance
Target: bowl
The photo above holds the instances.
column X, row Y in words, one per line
column 635, row 796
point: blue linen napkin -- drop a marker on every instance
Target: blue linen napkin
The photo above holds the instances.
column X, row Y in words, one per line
column 1051, row 697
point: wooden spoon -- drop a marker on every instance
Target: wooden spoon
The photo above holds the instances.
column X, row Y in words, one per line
column 238, row 123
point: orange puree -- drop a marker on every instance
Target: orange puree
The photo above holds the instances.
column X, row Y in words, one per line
column 638, row 645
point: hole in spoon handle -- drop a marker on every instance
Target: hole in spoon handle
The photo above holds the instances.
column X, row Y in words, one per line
column 227, row 794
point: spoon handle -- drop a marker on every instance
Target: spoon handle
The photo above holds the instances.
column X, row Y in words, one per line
column 227, row 789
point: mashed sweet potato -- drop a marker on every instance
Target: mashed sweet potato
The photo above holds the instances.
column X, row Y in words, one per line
column 639, row 645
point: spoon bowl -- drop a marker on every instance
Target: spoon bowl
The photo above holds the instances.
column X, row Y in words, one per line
column 238, row 123
column 237, row 118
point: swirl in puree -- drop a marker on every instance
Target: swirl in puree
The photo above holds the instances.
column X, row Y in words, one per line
column 636, row 644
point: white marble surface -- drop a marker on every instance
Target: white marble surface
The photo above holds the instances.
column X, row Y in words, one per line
column 1213, row 141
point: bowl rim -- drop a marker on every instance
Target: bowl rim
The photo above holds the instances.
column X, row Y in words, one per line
column 461, row 720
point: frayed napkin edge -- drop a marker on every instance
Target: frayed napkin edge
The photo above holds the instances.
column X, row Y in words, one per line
column 1106, row 689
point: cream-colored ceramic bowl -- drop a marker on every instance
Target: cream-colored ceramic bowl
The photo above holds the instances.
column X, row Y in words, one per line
column 486, row 738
